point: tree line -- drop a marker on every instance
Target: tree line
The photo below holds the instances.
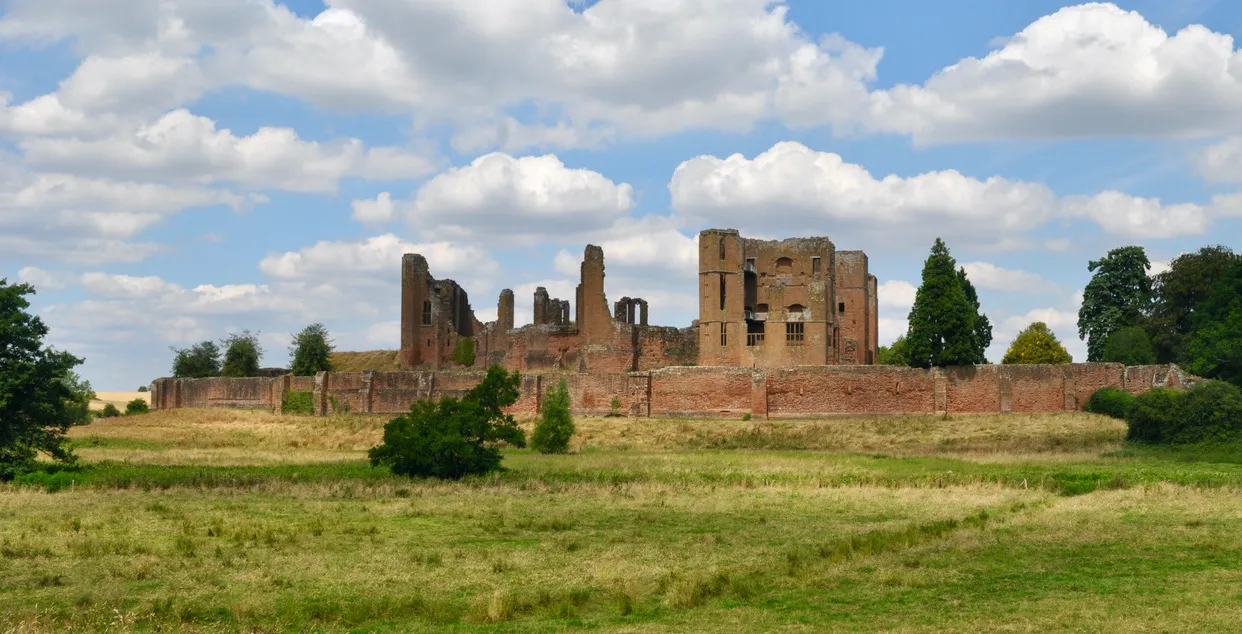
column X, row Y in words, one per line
column 1190, row 315
column 239, row 355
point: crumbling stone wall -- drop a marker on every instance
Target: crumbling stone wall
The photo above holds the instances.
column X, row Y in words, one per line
column 709, row 392
column 853, row 283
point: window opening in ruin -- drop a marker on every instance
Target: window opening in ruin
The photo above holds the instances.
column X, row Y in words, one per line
column 761, row 308
column 722, row 291
column 426, row 312
column 794, row 333
column 722, row 247
column 840, row 307
column 754, row 333
column 784, row 265
column 724, row 335
column 797, row 311
column 815, row 266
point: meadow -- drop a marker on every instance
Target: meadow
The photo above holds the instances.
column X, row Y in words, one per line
column 223, row 521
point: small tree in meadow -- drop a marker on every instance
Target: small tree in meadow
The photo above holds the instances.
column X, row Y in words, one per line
column 137, row 406
column 109, row 411
column 242, row 353
column 311, row 351
column 453, row 438
column 556, row 425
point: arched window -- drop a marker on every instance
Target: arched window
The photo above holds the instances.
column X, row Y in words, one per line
column 784, row 266
column 426, row 312
column 797, row 309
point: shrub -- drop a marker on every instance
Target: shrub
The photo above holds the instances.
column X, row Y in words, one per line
column 1110, row 401
column 616, row 406
column 1211, row 412
column 463, row 352
column 109, row 411
column 241, row 354
column 453, row 438
column 311, row 351
column 1130, row 346
column 137, row 406
column 745, row 417
column 556, row 425
column 298, row 403
column 142, row 388
column 1153, row 415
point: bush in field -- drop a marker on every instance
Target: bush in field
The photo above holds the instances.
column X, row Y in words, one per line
column 137, row 406
column 142, row 388
column 311, row 351
column 463, row 352
column 242, row 353
column 1154, row 415
column 1211, row 412
column 109, row 411
column 196, row 362
column 453, row 438
column 1110, row 401
column 299, row 403
column 556, row 425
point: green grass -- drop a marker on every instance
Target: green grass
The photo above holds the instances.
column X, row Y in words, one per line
column 994, row 527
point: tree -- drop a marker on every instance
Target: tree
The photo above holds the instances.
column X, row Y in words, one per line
column 1177, row 296
column 1215, row 351
column 463, row 352
column 1036, row 344
column 83, row 394
column 983, row 327
column 142, row 388
column 453, row 438
column 556, row 425
column 1118, row 295
column 196, row 362
column 1130, row 346
column 242, row 353
column 895, row 354
column 137, row 406
column 311, row 351
column 943, row 322
column 109, row 411
column 38, row 401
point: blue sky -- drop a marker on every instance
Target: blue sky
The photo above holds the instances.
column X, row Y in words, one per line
column 175, row 170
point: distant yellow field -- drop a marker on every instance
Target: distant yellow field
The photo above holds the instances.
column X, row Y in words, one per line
column 119, row 399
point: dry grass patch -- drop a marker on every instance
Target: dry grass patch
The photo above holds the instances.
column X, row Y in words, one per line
column 378, row 360
column 118, row 399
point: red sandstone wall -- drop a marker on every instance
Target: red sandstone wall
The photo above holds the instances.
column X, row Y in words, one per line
column 701, row 392
column 818, row 391
column 848, row 390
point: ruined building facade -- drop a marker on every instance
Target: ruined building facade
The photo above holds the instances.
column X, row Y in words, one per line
column 774, row 304
column 435, row 314
column 763, row 304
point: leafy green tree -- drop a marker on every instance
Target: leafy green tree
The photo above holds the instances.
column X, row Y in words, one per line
column 242, row 353
column 895, row 354
column 943, row 322
column 1178, row 294
column 1215, row 351
column 983, row 327
column 463, row 352
column 556, row 425
column 196, row 362
column 453, row 438
column 142, row 388
column 40, row 396
column 1130, row 346
column 83, row 394
column 137, row 406
column 1118, row 295
column 109, row 411
column 1036, row 344
column 311, row 351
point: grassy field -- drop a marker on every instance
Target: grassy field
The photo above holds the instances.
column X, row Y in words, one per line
column 220, row 521
column 118, row 399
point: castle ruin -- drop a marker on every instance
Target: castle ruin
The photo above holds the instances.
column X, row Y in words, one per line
column 763, row 304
